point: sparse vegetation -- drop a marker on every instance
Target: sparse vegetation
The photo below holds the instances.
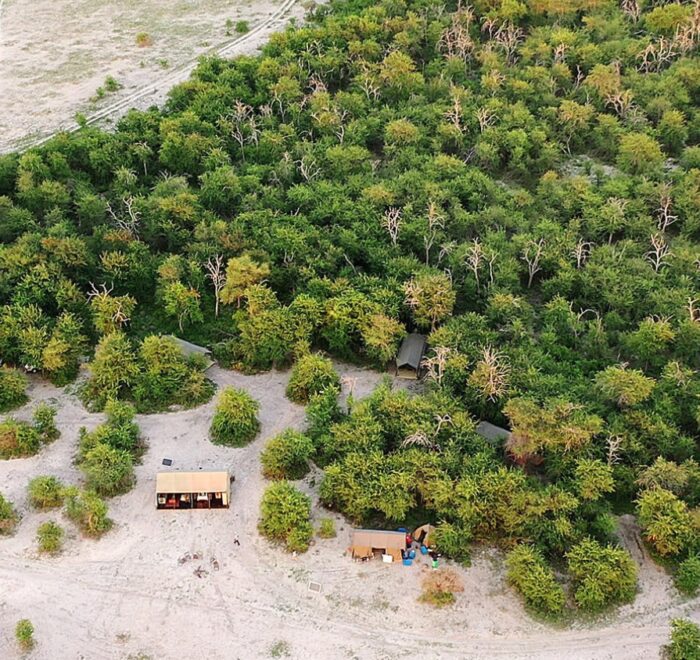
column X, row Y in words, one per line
column 8, row 516
column 440, row 586
column 242, row 27
column 20, row 439
column 24, row 634
column 49, row 537
column 326, row 528
column 144, row 40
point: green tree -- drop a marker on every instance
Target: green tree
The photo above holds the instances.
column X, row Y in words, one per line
column 666, row 523
column 625, row 387
column 13, row 387
column 639, row 154
column 430, row 297
column 287, row 456
column 528, row 572
column 108, row 471
column 311, row 374
column 687, row 577
column 113, row 370
column 241, row 273
column 685, row 640
column 602, row 575
column 285, row 516
column 182, row 302
column 593, row 479
column 235, row 421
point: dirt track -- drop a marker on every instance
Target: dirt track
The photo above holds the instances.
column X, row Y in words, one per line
column 134, row 591
column 54, row 55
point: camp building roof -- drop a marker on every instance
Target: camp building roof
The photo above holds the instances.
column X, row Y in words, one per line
column 187, row 349
column 192, row 482
column 411, row 351
column 491, row 432
column 378, row 538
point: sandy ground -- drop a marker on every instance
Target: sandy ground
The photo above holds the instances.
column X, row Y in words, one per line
column 133, row 593
column 54, row 54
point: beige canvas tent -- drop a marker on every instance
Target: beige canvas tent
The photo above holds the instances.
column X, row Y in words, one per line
column 410, row 357
column 193, row 490
column 365, row 542
column 423, row 535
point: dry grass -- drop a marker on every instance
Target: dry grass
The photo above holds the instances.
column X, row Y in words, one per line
column 440, row 586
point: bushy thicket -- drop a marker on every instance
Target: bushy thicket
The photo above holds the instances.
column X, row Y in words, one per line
column 13, row 387
column 529, row 573
column 235, row 422
column 107, row 454
column 311, row 375
column 685, row 640
column 87, row 510
column 20, row 439
column 45, row 492
column 155, row 376
column 287, row 456
column 285, row 516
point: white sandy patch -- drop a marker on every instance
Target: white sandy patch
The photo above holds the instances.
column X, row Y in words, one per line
column 135, row 590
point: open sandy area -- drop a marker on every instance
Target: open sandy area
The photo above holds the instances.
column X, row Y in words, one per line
column 134, row 594
column 55, row 54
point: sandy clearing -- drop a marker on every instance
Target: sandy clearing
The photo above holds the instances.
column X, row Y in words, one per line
column 128, row 593
column 55, row 54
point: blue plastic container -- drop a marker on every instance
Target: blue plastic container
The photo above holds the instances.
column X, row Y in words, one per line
column 423, row 550
column 412, row 554
column 407, row 562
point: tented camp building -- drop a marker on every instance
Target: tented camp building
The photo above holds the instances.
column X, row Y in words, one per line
column 367, row 542
column 424, row 535
column 188, row 349
column 193, row 490
column 410, row 357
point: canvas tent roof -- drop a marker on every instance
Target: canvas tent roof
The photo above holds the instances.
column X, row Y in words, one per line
column 378, row 538
column 192, row 482
column 411, row 351
column 187, row 349
column 491, row 432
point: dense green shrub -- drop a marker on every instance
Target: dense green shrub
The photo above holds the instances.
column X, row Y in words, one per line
column 49, row 536
column 665, row 520
column 24, row 634
column 119, row 431
column 685, row 640
column 687, row 577
column 452, row 541
column 13, row 385
column 287, row 455
column 311, row 374
column 235, row 421
column 529, row 573
column 8, row 516
column 285, row 516
column 89, row 511
column 602, row 575
column 44, row 419
column 108, row 471
column 45, row 492
column 18, row 439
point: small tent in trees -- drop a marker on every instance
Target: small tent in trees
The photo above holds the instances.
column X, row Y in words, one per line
column 187, row 349
column 410, row 357
column 423, row 535
column 493, row 434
